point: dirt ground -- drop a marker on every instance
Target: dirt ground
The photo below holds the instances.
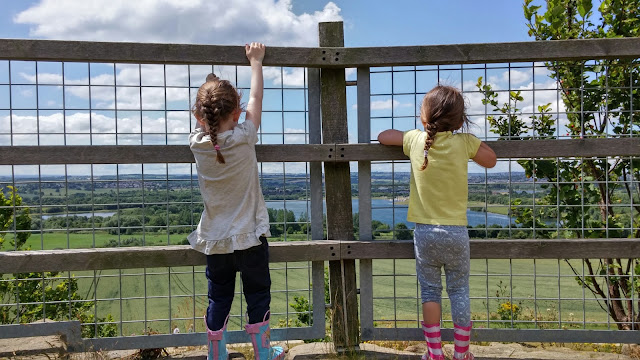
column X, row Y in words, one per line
column 50, row 348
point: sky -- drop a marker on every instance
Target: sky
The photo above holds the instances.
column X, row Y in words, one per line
column 222, row 22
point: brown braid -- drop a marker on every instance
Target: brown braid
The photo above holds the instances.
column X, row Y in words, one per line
column 442, row 109
column 215, row 102
column 431, row 129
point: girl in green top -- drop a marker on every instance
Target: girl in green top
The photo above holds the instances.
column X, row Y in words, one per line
column 438, row 205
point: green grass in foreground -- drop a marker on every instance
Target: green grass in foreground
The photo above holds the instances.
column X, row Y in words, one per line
column 404, row 311
column 171, row 297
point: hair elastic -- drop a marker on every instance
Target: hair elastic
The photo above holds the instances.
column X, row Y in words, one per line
column 426, row 152
column 217, row 147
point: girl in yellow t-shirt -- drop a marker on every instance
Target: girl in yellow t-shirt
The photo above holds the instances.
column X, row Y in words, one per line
column 438, row 206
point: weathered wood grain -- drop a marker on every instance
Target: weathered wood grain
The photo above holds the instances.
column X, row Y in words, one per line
column 325, row 56
column 319, row 250
column 137, row 154
column 511, row 149
column 342, row 274
column 505, row 249
column 149, row 257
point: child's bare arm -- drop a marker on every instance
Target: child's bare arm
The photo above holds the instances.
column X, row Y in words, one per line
column 485, row 156
column 255, row 54
column 391, row 137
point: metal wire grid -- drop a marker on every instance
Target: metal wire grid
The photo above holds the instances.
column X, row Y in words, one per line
column 505, row 293
column 147, row 299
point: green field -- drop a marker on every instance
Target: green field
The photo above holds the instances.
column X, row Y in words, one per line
column 492, row 208
column 152, row 300
column 403, row 311
column 82, row 240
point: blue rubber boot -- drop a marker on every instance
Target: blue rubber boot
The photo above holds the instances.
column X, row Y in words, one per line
column 217, row 342
column 261, row 340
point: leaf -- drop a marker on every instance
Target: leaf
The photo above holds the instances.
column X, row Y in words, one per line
column 584, row 7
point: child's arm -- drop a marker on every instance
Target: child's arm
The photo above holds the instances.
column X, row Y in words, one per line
column 255, row 54
column 391, row 137
column 485, row 156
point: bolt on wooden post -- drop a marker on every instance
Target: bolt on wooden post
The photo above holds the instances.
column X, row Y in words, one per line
column 342, row 273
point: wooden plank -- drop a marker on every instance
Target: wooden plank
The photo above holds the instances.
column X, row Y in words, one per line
column 149, row 256
column 526, row 51
column 505, row 249
column 315, row 168
column 364, row 167
column 326, row 56
column 138, row 154
column 512, row 149
column 513, row 335
column 151, row 53
column 345, row 327
column 318, row 250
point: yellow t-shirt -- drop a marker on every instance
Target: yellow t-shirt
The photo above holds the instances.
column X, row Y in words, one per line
column 438, row 195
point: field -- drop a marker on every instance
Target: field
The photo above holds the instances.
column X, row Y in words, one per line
column 159, row 299
column 150, row 297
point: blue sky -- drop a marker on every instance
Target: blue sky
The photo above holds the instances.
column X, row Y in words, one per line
column 367, row 23
column 283, row 23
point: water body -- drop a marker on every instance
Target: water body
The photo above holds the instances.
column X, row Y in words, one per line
column 100, row 214
column 383, row 211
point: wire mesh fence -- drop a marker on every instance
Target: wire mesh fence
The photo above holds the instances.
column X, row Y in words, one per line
column 70, row 206
column 136, row 204
column 551, row 198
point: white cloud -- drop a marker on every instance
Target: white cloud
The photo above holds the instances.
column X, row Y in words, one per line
column 284, row 77
column 176, row 21
column 43, row 78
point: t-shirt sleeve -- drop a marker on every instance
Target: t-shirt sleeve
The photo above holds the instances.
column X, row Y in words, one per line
column 247, row 132
column 473, row 144
column 407, row 139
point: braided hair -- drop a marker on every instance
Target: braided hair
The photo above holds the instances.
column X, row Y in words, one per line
column 442, row 109
column 215, row 101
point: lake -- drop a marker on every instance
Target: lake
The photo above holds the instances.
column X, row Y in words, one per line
column 383, row 211
column 100, row 214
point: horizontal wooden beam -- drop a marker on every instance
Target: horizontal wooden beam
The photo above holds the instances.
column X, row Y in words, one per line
column 149, row 257
column 320, row 250
column 528, row 51
column 506, row 249
column 337, row 57
column 148, row 154
column 508, row 149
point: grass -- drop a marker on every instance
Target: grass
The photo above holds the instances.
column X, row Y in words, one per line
column 83, row 240
column 492, row 208
column 404, row 311
column 159, row 296
column 553, row 281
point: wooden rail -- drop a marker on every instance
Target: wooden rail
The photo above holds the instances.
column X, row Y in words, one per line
column 145, row 154
column 325, row 57
column 320, row 250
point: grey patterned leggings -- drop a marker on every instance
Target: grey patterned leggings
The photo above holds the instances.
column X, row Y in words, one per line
column 448, row 246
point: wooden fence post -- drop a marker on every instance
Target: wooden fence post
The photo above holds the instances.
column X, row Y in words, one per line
column 342, row 274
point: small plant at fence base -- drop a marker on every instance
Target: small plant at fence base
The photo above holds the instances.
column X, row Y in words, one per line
column 304, row 311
